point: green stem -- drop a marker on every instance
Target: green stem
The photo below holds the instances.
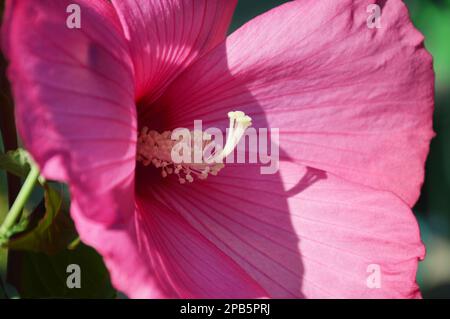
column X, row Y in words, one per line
column 74, row 244
column 25, row 192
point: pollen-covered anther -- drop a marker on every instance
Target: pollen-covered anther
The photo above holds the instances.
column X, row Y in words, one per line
column 156, row 149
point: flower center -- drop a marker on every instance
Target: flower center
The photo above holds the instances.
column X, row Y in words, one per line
column 164, row 151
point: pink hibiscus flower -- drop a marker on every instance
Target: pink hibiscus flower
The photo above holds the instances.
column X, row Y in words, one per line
column 353, row 104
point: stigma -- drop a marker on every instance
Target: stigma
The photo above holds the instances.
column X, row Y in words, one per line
column 164, row 150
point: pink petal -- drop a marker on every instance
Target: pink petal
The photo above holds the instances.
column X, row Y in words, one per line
column 166, row 36
column 74, row 91
column 350, row 100
column 186, row 264
column 119, row 248
column 301, row 233
column 157, row 254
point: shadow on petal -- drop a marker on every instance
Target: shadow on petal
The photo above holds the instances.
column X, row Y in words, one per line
column 235, row 217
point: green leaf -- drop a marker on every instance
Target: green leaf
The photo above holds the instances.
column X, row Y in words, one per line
column 34, row 231
column 29, row 218
column 44, row 276
column 55, row 231
column 16, row 162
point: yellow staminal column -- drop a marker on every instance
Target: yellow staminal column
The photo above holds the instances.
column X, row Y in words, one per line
column 156, row 149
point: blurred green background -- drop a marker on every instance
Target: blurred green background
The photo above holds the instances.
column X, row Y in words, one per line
column 432, row 18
